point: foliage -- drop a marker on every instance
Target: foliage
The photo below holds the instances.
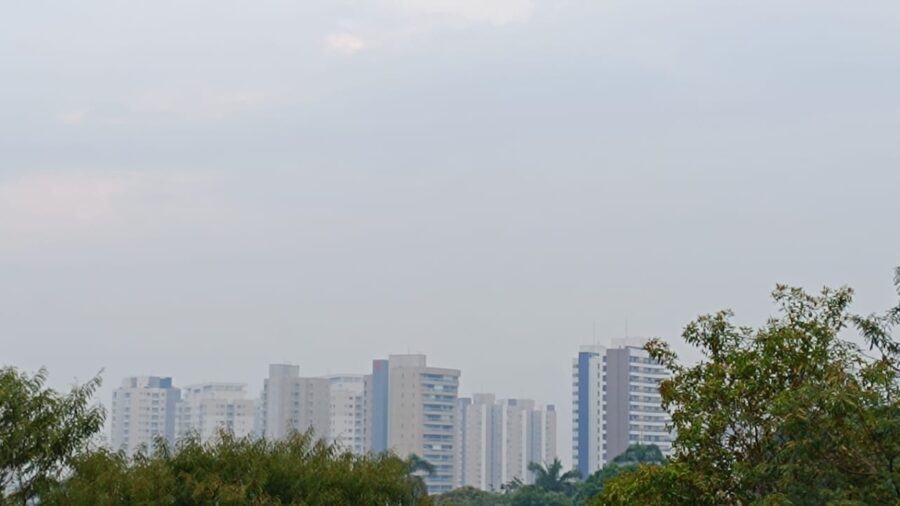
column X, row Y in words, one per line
column 550, row 478
column 533, row 495
column 640, row 454
column 41, row 431
column 626, row 462
column 791, row 413
column 652, row 485
column 471, row 496
column 233, row 471
column 417, row 468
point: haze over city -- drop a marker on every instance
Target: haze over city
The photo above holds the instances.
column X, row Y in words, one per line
column 200, row 189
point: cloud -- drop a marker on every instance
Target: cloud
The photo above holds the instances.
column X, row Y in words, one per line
column 72, row 118
column 200, row 105
column 52, row 204
column 496, row 12
column 345, row 43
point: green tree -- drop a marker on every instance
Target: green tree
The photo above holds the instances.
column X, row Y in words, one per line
column 471, row 496
column 41, row 432
column 792, row 413
column 417, row 469
column 532, row 495
column 550, row 478
column 640, row 454
column 237, row 471
column 628, row 461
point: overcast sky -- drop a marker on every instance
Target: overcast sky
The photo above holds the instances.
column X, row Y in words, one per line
column 200, row 188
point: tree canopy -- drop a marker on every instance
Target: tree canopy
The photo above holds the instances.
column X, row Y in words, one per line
column 798, row 412
column 236, row 471
column 41, row 431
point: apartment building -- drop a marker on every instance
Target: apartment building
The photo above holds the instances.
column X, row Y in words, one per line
column 207, row 408
column 347, row 411
column 143, row 408
column 412, row 410
column 292, row 403
column 616, row 403
column 499, row 438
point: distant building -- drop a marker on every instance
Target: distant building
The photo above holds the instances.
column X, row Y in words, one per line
column 206, row 408
column 347, row 412
column 143, row 407
column 616, row 403
column 498, row 439
column 290, row 403
column 412, row 410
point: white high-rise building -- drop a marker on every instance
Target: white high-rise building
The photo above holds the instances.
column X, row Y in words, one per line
column 347, row 412
column 207, row 408
column 291, row 403
column 498, row 439
column 616, row 403
column 412, row 410
column 143, row 407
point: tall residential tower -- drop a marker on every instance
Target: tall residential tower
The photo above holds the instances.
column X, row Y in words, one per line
column 290, row 403
column 498, row 439
column 206, row 408
column 412, row 410
column 143, row 407
column 616, row 403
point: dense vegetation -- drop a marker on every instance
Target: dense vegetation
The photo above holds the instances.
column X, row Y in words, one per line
column 803, row 411
column 795, row 413
column 41, row 432
column 554, row 487
column 234, row 471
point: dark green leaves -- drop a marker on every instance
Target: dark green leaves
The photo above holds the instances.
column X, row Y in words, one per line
column 41, row 431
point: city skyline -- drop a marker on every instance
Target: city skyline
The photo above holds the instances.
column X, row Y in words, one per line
column 403, row 406
column 199, row 190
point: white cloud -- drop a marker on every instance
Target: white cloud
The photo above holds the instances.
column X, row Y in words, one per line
column 72, row 118
column 200, row 105
column 69, row 203
column 497, row 12
column 345, row 43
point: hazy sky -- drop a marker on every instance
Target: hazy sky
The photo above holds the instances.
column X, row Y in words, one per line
column 200, row 188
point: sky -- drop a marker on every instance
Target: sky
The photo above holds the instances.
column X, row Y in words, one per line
column 199, row 189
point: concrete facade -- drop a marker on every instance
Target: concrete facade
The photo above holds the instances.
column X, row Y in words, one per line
column 412, row 408
column 347, row 412
column 207, row 408
column 143, row 407
column 498, row 439
column 616, row 403
column 291, row 403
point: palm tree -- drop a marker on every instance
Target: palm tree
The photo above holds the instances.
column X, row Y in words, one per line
column 550, row 477
column 418, row 468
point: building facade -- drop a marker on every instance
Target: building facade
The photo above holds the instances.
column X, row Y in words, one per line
column 347, row 412
column 616, row 403
column 412, row 410
column 291, row 403
column 143, row 408
column 207, row 408
column 498, row 439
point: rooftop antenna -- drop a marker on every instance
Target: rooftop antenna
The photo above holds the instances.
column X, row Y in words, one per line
column 626, row 327
column 595, row 333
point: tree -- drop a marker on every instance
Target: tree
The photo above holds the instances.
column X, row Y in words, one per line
column 640, row 454
column 532, row 495
column 792, row 413
column 41, row 432
column 550, row 477
column 238, row 471
column 471, row 496
column 628, row 461
column 417, row 469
